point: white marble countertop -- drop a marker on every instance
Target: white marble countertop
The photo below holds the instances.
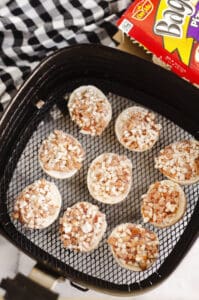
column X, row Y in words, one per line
column 182, row 284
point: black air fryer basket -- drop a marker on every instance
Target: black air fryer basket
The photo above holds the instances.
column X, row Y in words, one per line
column 39, row 107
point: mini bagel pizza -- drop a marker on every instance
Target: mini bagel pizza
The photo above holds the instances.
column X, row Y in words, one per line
column 38, row 205
column 61, row 155
column 82, row 227
column 164, row 204
column 136, row 129
column 180, row 161
column 134, row 247
column 90, row 109
column 109, row 178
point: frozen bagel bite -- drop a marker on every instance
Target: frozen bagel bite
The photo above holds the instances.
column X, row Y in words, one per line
column 82, row 227
column 90, row 109
column 136, row 129
column 61, row 155
column 134, row 247
column 38, row 205
column 180, row 161
column 164, row 204
column 109, row 178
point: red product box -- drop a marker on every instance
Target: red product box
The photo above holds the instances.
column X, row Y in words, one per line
column 170, row 30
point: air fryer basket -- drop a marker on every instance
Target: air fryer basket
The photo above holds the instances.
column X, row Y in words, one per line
column 127, row 81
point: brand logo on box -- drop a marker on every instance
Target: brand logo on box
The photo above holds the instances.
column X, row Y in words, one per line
column 142, row 10
column 172, row 16
column 172, row 22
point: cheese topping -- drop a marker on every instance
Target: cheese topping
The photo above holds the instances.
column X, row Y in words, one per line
column 134, row 246
column 138, row 129
column 110, row 175
column 161, row 202
column 82, row 226
column 91, row 110
column 180, row 160
column 37, row 203
column 61, row 152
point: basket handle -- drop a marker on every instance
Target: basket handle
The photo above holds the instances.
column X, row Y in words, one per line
column 23, row 288
column 36, row 286
column 48, row 278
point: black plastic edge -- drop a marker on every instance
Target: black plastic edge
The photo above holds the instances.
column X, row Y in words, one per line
column 23, row 288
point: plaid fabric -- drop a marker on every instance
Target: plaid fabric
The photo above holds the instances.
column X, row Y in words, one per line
column 32, row 29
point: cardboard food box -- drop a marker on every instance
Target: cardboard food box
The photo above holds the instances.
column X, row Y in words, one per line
column 169, row 29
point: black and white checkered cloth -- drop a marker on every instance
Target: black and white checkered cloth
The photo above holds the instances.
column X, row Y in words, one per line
column 32, row 29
